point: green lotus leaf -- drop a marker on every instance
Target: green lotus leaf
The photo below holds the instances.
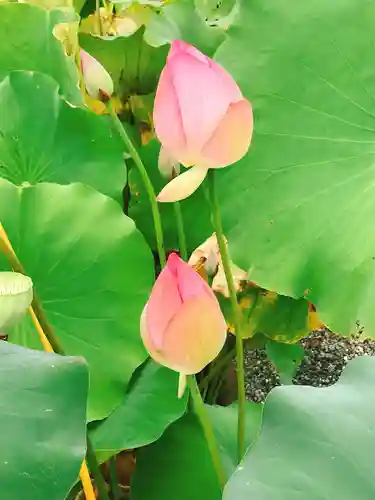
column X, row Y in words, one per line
column 92, row 272
column 28, row 43
column 43, row 413
column 314, row 442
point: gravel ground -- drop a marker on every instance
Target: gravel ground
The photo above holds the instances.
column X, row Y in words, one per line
column 326, row 356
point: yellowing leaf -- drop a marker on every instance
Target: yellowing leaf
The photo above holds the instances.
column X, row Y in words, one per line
column 315, row 322
column 99, row 107
column 147, row 134
column 280, row 318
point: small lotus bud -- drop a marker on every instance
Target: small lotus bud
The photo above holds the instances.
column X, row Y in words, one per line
column 182, row 326
column 97, row 80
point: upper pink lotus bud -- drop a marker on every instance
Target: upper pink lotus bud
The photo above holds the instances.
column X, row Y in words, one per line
column 182, row 326
column 97, row 80
column 201, row 117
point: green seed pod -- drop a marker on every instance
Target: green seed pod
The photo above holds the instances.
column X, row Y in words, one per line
column 16, row 294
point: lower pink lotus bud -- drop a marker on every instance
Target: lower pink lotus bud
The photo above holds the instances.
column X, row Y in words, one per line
column 182, row 326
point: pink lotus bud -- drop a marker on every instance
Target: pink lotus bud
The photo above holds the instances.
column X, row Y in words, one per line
column 182, row 326
column 97, row 80
column 201, row 117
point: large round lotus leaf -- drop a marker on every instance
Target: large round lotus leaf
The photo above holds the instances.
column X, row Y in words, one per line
column 16, row 294
column 92, row 272
column 43, row 138
column 27, row 42
column 315, row 443
column 298, row 210
column 42, row 411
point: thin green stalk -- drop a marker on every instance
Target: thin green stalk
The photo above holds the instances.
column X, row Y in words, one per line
column 114, row 479
column 146, row 181
column 93, row 465
column 180, row 230
column 216, row 390
column 205, row 392
column 235, row 310
column 217, row 367
column 207, row 429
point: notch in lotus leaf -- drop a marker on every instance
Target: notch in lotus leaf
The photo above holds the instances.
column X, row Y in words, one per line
column 16, row 294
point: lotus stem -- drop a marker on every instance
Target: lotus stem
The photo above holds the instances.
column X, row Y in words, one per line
column 146, row 181
column 114, row 478
column 207, row 430
column 224, row 252
column 180, row 230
